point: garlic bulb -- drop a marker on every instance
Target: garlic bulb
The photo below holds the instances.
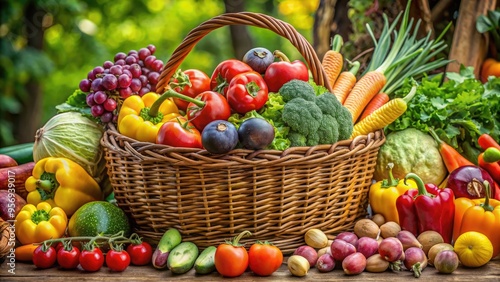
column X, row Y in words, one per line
column 298, row 265
column 316, row 238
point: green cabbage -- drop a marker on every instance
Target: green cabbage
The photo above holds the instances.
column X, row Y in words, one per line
column 73, row 136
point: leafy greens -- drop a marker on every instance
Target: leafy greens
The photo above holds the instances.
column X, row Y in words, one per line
column 459, row 109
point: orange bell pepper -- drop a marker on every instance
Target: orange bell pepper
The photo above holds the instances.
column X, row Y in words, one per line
column 480, row 215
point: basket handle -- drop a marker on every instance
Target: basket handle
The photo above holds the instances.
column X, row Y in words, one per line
column 244, row 18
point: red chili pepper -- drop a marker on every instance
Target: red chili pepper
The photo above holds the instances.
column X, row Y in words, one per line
column 204, row 108
column 426, row 208
column 246, row 92
column 224, row 73
column 486, row 141
column 451, row 157
column 279, row 73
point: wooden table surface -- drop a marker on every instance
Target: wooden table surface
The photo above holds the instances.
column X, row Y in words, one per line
column 25, row 272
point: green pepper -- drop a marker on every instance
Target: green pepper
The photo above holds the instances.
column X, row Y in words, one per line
column 491, row 155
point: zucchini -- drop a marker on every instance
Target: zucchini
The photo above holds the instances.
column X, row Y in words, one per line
column 21, row 153
column 170, row 239
column 205, row 263
column 182, row 257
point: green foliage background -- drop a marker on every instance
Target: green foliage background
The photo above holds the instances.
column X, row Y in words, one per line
column 79, row 35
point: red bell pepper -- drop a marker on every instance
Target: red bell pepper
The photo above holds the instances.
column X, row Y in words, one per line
column 426, row 208
column 246, row 92
column 204, row 108
column 279, row 73
column 224, row 73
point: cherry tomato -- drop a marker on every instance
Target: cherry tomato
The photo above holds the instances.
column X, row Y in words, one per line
column 190, row 82
column 44, row 257
column 140, row 254
column 264, row 258
column 117, row 260
column 91, row 260
column 68, row 258
column 224, row 73
column 179, row 133
column 231, row 259
column 246, row 92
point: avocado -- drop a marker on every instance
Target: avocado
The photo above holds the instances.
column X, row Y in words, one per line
column 98, row 217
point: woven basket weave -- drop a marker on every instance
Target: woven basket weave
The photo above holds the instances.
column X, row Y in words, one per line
column 276, row 195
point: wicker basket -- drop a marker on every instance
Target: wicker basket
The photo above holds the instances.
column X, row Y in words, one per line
column 276, row 195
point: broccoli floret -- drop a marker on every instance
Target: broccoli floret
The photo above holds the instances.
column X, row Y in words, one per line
column 328, row 103
column 313, row 139
column 345, row 124
column 296, row 88
column 302, row 116
column 328, row 130
column 296, row 139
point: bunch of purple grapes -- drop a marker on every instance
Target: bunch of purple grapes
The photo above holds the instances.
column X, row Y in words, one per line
column 135, row 73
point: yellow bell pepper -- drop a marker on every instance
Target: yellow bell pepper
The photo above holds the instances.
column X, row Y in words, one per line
column 35, row 224
column 383, row 194
column 62, row 183
column 480, row 215
column 140, row 118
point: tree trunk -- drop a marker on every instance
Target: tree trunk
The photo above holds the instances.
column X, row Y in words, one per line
column 26, row 124
column 330, row 19
column 240, row 38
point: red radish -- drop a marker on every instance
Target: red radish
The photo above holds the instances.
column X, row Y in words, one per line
column 354, row 264
column 446, row 261
column 367, row 246
column 308, row 253
column 340, row 249
column 390, row 249
column 349, row 237
column 415, row 260
column 325, row 263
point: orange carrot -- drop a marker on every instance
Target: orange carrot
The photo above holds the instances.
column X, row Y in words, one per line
column 333, row 60
column 376, row 102
column 363, row 91
column 345, row 82
column 25, row 252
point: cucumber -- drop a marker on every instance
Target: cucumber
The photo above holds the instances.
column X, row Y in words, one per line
column 205, row 263
column 22, row 153
column 170, row 239
column 182, row 257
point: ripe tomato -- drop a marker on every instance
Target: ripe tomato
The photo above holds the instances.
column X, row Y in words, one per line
column 231, row 259
column 179, row 133
column 117, row 260
column 264, row 258
column 140, row 254
column 190, row 82
column 91, row 260
column 68, row 258
column 224, row 73
column 44, row 257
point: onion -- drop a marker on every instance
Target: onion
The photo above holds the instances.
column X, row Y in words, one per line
column 468, row 181
column 73, row 136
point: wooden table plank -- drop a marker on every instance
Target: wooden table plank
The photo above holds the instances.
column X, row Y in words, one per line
column 24, row 272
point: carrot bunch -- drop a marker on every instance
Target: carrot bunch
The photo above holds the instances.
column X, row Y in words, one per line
column 393, row 61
